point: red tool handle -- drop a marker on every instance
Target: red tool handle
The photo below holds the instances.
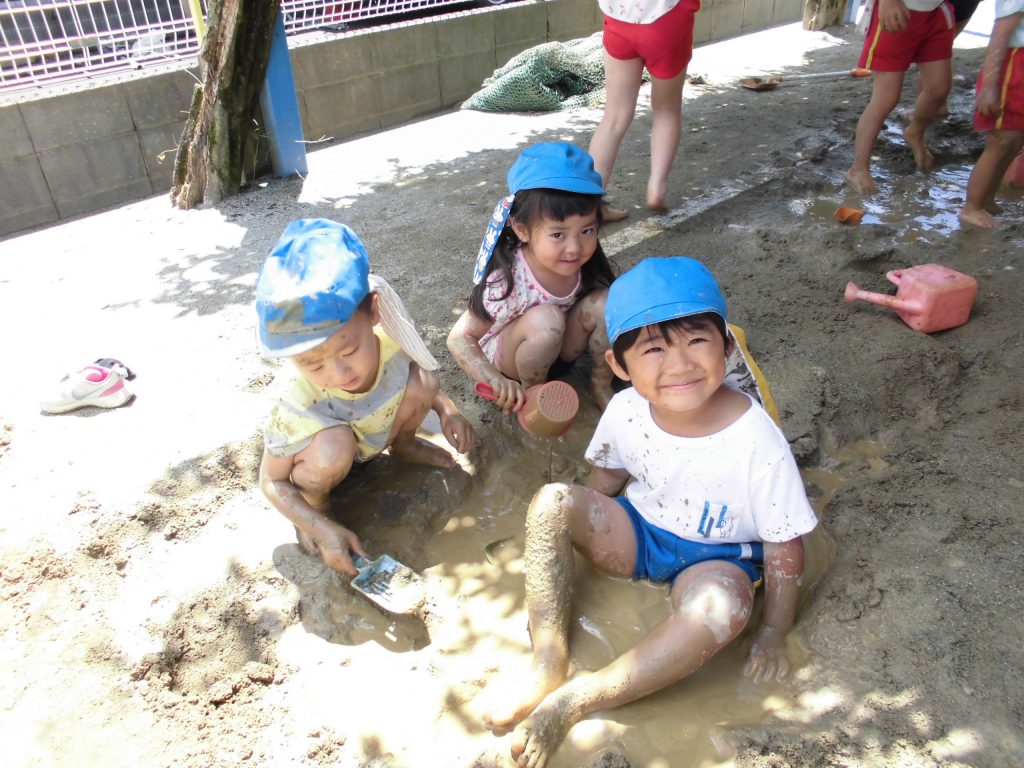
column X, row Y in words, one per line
column 485, row 390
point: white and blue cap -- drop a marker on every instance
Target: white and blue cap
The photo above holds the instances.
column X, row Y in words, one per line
column 311, row 284
column 549, row 165
column 661, row 288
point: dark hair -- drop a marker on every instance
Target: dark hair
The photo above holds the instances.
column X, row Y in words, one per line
column 667, row 328
column 529, row 207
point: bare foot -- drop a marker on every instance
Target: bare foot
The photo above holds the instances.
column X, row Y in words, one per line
column 975, row 217
column 609, row 214
column 537, row 738
column 512, row 696
column 656, row 205
column 656, row 200
column 861, row 182
column 419, row 451
column 922, row 156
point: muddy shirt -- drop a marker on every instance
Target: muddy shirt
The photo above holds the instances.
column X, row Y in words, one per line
column 527, row 293
column 738, row 485
column 304, row 408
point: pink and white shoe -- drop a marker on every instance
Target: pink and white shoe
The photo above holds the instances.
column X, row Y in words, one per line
column 97, row 385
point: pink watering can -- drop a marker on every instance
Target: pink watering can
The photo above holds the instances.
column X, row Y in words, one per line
column 930, row 297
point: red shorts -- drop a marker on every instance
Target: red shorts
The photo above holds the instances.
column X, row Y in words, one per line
column 928, row 37
column 1011, row 96
column 665, row 45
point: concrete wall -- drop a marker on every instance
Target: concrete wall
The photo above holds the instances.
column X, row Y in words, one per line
column 90, row 147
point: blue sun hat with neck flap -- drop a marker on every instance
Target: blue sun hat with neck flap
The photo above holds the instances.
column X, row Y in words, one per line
column 311, row 284
column 313, row 281
column 550, row 165
column 661, row 288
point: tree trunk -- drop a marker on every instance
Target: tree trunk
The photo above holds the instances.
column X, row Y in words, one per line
column 819, row 14
column 222, row 120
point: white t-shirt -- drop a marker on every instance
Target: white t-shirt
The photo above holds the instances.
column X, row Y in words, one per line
column 737, row 485
column 636, row 11
column 1006, row 8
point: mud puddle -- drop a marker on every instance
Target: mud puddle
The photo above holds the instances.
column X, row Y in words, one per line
column 468, row 549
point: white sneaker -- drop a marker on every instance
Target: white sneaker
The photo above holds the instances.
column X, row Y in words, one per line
column 98, row 385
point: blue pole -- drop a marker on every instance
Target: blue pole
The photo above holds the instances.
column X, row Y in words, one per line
column 280, row 106
column 851, row 10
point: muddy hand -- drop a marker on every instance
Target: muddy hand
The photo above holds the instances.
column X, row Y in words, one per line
column 506, row 393
column 768, row 659
column 337, row 552
column 458, row 432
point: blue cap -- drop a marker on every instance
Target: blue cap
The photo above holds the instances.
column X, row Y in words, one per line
column 658, row 289
column 555, row 165
column 316, row 275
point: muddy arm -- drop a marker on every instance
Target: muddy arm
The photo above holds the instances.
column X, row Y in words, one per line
column 610, row 482
column 464, row 344
column 331, row 539
column 456, row 428
column 783, row 567
column 987, row 101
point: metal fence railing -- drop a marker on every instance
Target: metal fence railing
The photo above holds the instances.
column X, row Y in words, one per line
column 50, row 41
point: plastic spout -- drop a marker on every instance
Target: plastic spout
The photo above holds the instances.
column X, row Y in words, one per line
column 853, row 293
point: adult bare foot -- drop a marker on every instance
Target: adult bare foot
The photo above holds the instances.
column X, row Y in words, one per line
column 419, row 451
column 609, row 214
column 922, row 155
column 861, row 182
column 537, row 738
column 513, row 696
column 976, row 217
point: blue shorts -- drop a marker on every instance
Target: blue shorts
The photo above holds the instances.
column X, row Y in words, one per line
column 661, row 556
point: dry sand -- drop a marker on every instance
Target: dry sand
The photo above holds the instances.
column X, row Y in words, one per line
column 157, row 612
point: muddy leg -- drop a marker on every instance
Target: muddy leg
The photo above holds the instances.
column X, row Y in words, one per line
column 935, row 78
column 885, row 95
column 559, row 517
column 420, row 390
column 585, row 330
column 712, row 602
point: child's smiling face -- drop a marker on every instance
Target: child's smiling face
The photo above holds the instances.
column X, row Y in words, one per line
column 678, row 374
column 557, row 250
column 349, row 359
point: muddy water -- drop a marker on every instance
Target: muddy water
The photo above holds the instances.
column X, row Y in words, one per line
column 463, row 530
column 906, row 208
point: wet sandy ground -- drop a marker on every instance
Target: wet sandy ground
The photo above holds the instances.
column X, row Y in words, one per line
column 153, row 601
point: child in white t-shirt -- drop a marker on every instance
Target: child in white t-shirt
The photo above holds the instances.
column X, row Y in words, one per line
column 693, row 485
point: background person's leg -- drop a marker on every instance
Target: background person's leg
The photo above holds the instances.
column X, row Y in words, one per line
column 666, row 127
column 622, row 85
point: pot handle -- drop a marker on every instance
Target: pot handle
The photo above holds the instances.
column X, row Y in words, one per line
column 894, row 276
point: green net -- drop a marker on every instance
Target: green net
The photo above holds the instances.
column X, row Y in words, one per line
column 547, row 77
